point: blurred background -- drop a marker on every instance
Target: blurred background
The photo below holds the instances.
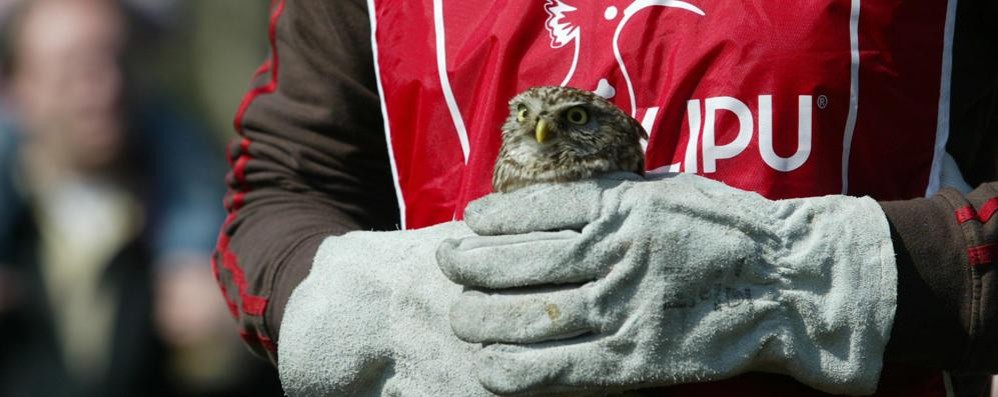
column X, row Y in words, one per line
column 113, row 116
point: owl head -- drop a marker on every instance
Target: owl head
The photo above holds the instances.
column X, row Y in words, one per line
column 560, row 133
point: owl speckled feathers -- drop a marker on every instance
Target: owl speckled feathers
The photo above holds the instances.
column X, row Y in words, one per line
column 562, row 134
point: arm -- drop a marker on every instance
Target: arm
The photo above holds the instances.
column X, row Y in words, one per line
column 946, row 251
column 310, row 163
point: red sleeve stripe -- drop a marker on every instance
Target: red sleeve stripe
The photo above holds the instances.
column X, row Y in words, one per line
column 988, row 210
column 255, row 338
column 239, row 170
column 982, row 254
column 264, row 68
column 233, row 310
column 965, row 214
column 252, row 305
column 272, row 65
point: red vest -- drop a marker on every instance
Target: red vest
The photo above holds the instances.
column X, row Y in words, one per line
column 788, row 99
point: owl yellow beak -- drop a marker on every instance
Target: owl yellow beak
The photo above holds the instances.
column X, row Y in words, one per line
column 542, row 130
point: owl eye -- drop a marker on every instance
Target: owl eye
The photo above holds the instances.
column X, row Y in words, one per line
column 577, row 115
column 521, row 113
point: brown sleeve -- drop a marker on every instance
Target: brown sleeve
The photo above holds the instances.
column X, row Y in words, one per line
column 310, row 162
column 947, row 286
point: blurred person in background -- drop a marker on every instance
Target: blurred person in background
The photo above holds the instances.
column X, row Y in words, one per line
column 108, row 210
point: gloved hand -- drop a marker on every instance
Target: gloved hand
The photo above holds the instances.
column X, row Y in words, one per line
column 620, row 284
column 371, row 320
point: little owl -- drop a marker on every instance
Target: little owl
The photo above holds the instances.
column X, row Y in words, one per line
column 561, row 134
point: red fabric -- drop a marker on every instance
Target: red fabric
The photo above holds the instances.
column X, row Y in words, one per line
column 966, row 214
column 901, row 46
column 233, row 308
column 264, row 68
column 988, row 210
column 252, row 305
column 256, row 338
column 982, row 254
column 705, row 75
column 773, row 63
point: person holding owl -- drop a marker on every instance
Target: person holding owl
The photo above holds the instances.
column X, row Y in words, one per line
column 863, row 263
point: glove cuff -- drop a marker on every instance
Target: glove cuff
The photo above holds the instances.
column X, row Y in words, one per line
column 371, row 319
column 843, row 287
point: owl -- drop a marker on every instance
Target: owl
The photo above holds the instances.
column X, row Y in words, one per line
column 562, row 134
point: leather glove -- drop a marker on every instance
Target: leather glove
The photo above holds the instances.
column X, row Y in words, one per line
column 616, row 284
column 371, row 320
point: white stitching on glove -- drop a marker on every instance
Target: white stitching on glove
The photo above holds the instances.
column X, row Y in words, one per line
column 617, row 284
column 371, row 320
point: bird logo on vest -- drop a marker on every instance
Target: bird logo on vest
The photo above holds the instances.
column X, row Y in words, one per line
column 568, row 25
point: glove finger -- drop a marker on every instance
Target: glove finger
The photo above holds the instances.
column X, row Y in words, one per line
column 538, row 208
column 517, row 317
column 543, row 369
column 520, row 260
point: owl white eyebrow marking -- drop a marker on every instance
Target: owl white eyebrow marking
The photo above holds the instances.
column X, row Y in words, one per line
column 533, row 103
column 570, row 105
